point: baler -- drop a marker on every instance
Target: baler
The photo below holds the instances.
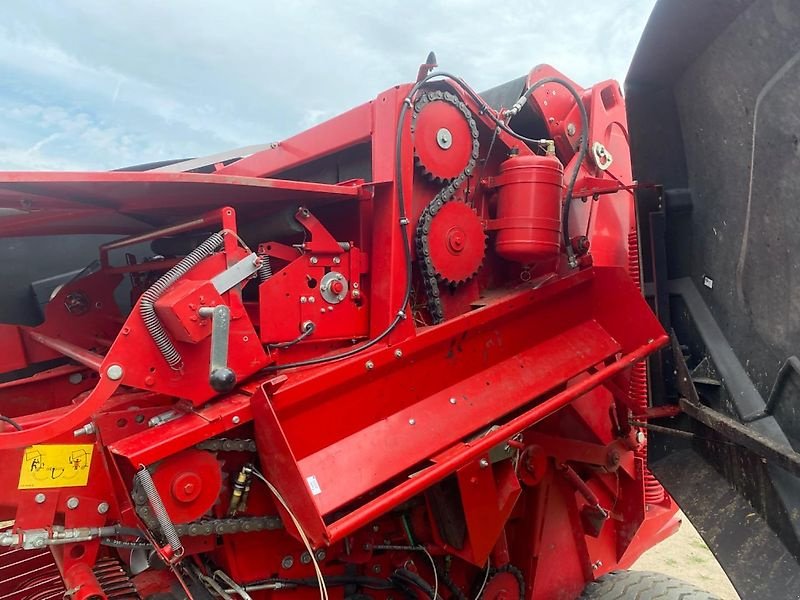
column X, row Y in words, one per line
column 400, row 354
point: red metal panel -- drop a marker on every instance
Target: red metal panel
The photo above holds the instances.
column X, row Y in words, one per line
column 418, row 432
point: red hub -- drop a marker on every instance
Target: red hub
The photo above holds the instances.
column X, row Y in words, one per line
column 442, row 140
column 457, row 243
column 189, row 483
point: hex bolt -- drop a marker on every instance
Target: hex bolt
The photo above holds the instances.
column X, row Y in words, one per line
column 114, row 372
column 40, row 498
column 305, row 558
column 102, row 508
column 398, row 353
column 72, row 503
column 369, row 365
column 321, row 555
column 287, row 562
column 412, row 421
column 314, row 260
column 336, row 260
column 303, row 299
column 452, row 400
column 483, row 463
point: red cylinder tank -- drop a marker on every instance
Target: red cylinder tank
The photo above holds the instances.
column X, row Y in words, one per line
column 529, row 208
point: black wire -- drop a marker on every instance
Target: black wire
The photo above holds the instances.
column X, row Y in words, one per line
column 406, row 576
column 306, row 332
column 11, row 422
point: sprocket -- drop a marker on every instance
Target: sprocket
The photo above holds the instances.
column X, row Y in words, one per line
column 456, row 243
column 504, row 584
column 443, row 141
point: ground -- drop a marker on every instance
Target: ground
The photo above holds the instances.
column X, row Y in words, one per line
column 686, row 556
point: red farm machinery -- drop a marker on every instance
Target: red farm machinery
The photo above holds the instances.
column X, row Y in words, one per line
column 400, row 354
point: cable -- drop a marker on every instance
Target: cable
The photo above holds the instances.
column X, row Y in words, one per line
column 308, row 329
column 11, row 422
column 417, row 548
column 323, row 590
column 485, row 579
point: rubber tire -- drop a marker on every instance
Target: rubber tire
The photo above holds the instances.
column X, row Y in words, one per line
column 642, row 585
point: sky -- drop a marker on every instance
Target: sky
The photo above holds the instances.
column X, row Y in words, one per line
column 98, row 85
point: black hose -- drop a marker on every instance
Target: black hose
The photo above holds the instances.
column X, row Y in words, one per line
column 11, row 422
column 406, row 576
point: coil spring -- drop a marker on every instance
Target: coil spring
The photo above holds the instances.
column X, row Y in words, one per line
column 637, row 390
column 147, row 303
column 167, row 527
column 265, row 270
column 114, row 580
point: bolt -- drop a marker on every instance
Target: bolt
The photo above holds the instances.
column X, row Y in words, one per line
column 452, row 400
column 398, row 353
column 640, row 437
column 87, row 429
column 72, row 503
column 314, row 260
column 114, row 372
column 303, row 299
column 305, row 558
column 369, row 365
column 597, row 565
column 102, row 508
column 236, row 419
column 376, row 569
column 376, row 528
column 321, row 555
column 75, row 378
column 40, row 498
column 483, row 463
column 412, row 422
column 287, row 562
column 570, row 129
column 311, row 299
column 336, row 260
column 39, row 543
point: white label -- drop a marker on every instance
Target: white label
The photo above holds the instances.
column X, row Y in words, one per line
column 313, row 484
column 708, row 282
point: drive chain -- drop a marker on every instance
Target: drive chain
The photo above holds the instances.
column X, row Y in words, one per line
column 430, row 277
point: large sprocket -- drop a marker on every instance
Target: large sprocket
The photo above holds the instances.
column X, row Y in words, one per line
column 443, row 140
column 456, row 243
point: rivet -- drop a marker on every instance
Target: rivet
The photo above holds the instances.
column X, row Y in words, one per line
column 72, row 503
column 369, row 365
column 114, row 372
column 452, row 400
column 102, row 508
column 40, row 498
column 235, row 419
column 412, row 421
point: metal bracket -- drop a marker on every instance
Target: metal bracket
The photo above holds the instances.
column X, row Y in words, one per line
column 236, row 273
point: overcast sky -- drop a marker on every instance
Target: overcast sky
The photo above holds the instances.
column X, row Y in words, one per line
column 99, row 85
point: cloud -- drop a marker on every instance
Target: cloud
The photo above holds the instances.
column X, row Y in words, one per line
column 98, row 85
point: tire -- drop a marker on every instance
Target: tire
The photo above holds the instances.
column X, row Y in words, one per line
column 642, row 585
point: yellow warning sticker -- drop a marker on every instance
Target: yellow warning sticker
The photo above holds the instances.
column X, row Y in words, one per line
column 55, row 466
